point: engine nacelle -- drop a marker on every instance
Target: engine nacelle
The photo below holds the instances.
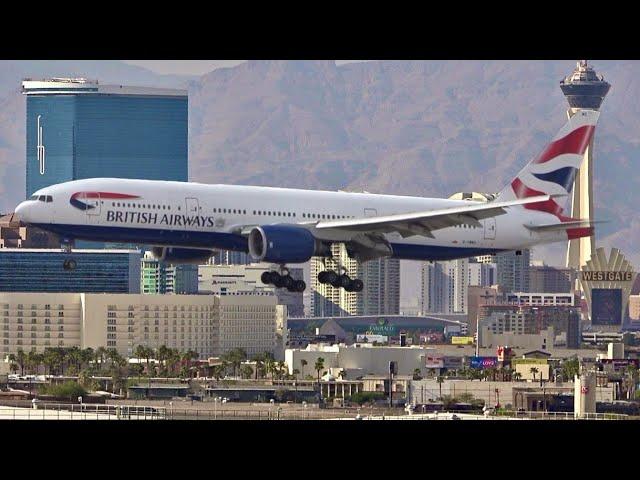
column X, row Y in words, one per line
column 174, row 255
column 283, row 244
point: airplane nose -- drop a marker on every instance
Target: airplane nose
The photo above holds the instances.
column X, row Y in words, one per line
column 22, row 212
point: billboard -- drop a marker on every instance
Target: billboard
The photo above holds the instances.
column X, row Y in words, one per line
column 370, row 338
column 462, row 340
column 452, row 363
column 433, row 361
column 483, row 362
column 529, row 361
column 606, row 306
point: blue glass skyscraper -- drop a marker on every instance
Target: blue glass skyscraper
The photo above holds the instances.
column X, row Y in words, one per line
column 78, row 129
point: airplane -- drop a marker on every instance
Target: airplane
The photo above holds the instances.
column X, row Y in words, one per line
column 186, row 222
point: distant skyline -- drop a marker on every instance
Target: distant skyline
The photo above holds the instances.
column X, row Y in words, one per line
column 195, row 67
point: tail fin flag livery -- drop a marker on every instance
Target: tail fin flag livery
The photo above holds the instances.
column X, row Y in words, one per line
column 554, row 170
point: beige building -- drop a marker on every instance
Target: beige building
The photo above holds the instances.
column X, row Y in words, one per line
column 634, row 307
column 40, row 320
column 210, row 325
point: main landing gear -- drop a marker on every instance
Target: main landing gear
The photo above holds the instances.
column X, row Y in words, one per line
column 283, row 280
column 340, row 281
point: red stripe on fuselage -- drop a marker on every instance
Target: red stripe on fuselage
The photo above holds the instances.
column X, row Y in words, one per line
column 108, row 195
column 575, row 142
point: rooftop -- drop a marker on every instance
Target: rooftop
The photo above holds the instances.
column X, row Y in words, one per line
column 83, row 86
column 75, row 251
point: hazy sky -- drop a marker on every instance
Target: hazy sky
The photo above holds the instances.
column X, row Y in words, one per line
column 194, row 67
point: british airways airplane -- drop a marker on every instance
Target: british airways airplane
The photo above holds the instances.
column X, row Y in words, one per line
column 186, row 222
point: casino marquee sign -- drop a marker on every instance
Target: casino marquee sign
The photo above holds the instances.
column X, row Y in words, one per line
column 607, row 285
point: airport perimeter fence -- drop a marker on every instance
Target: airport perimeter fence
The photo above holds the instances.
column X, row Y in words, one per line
column 71, row 411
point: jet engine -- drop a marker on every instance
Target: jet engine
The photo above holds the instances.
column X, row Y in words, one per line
column 284, row 244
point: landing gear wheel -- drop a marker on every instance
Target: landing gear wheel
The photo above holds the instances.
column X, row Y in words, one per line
column 331, row 277
column 298, row 286
column 287, row 281
column 356, row 285
column 277, row 280
column 69, row 264
column 266, row 277
column 344, row 281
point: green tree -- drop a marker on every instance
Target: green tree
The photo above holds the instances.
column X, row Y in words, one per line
column 21, row 360
column 570, row 368
column 13, row 362
column 100, row 355
column 303, row 363
column 246, row 371
column 319, row 365
column 235, row 357
column 533, row 371
column 440, row 379
column 163, row 355
column 296, row 372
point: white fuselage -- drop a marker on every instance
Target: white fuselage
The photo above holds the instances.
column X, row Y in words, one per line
column 195, row 215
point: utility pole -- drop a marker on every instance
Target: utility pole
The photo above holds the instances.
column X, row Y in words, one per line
column 393, row 367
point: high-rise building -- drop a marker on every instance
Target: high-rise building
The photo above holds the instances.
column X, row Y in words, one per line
column 543, row 278
column 326, row 300
column 477, row 297
column 230, row 257
column 77, row 128
column 634, row 307
column 158, row 277
column 513, row 270
column 445, row 285
column 584, row 89
column 381, row 293
column 82, row 270
column 245, row 280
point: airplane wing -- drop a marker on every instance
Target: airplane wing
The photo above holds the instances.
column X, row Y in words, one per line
column 423, row 223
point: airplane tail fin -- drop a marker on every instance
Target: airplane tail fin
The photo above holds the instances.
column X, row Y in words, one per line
column 554, row 170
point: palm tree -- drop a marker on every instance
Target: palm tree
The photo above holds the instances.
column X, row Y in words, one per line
column 74, row 355
column 269, row 362
column 295, row 373
column 86, row 356
column 517, row 376
column 259, row 364
column 440, row 379
column 246, row 371
column 13, row 366
column 533, row 371
column 163, row 354
column 21, row 360
column 100, row 355
column 319, row 365
column 304, row 363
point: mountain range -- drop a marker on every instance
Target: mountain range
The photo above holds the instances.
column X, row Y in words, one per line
column 429, row 128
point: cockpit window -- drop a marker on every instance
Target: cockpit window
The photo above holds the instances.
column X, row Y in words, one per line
column 33, row 197
column 49, row 199
column 42, row 198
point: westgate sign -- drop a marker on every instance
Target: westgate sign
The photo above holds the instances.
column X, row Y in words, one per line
column 591, row 276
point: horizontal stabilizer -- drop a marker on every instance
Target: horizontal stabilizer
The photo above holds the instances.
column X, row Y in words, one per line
column 549, row 227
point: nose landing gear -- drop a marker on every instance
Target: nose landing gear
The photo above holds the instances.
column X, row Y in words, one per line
column 283, row 280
